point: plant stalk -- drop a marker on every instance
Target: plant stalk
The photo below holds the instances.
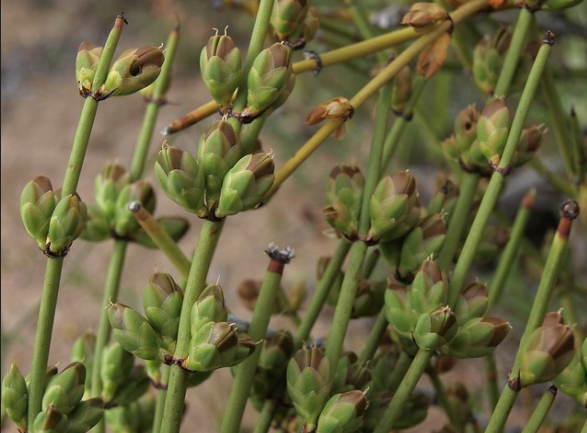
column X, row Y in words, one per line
column 498, row 177
column 245, row 371
column 55, row 265
column 404, row 391
column 174, row 403
column 161, row 396
column 374, row 338
column 541, row 411
column 556, row 255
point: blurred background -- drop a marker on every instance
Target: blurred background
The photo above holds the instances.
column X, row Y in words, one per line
column 40, row 109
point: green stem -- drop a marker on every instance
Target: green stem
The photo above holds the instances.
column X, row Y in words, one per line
column 375, row 336
column 584, row 429
column 252, row 134
column 399, row 370
column 559, row 118
column 544, row 292
column 267, row 413
column 43, row 336
column 255, row 46
column 161, row 396
column 86, row 122
column 350, row 283
column 370, row 263
column 443, row 399
column 397, row 129
column 541, row 411
column 498, row 178
column 245, row 371
column 458, row 219
column 137, row 166
column 514, row 52
column 321, row 293
column 55, row 265
column 404, row 391
column 491, row 377
column 162, row 239
column 111, row 287
column 174, row 403
column 511, row 250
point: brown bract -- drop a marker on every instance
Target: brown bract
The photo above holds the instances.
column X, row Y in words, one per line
column 422, row 16
column 432, row 58
column 338, row 109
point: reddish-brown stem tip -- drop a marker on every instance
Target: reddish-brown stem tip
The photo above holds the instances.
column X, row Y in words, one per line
column 569, row 210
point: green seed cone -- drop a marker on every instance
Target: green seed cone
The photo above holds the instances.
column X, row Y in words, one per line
column 181, row 179
column 343, row 413
column 546, row 352
column 308, row 384
column 218, row 152
column 37, row 204
column 311, row 24
column 51, row 421
column 221, row 68
column 134, row 70
column 83, row 351
column 15, row 397
column 162, row 299
column 529, row 143
column 573, row 381
column 208, row 308
column 478, row 337
column 344, row 189
column 133, row 387
column 116, row 366
column 394, row 207
column 425, row 240
column 488, row 59
column 245, row 184
column 429, row 288
column 86, row 64
column 472, row 303
column 107, row 187
column 86, row 415
column 133, row 332
column 97, row 227
column 351, row 374
column 268, row 77
column 288, row 18
column 217, row 345
column 492, row 129
column 67, row 223
column 369, row 298
column 415, row 411
column 65, row 390
column 397, row 311
column 436, row 329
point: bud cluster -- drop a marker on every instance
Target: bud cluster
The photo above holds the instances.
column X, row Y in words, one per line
column 62, row 407
column 221, row 181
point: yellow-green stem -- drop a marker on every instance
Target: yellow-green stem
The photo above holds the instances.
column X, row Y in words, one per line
column 264, row 422
column 54, row 265
column 369, row 90
column 350, row 283
column 511, row 250
column 498, row 178
column 161, row 396
column 405, row 389
column 245, row 371
column 541, row 411
column 174, row 403
column 399, row 370
column 321, row 293
column 491, row 379
column 458, row 219
column 162, row 239
column 539, row 307
column 141, row 151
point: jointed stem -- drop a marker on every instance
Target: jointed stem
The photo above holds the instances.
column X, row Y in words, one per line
column 245, row 371
column 209, row 235
column 55, row 265
column 161, row 397
column 375, row 336
column 350, row 283
column 541, row 411
column 498, row 177
column 321, row 293
column 405, row 389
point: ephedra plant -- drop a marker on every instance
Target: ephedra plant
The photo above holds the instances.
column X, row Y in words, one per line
column 410, row 263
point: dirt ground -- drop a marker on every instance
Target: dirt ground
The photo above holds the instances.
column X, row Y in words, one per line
column 40, row 110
